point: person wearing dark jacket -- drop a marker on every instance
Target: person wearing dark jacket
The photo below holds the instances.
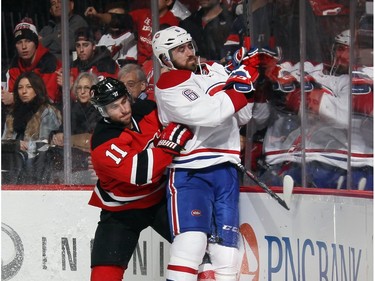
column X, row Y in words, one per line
column 50, row 34
column 90, row 58
column 209, row 26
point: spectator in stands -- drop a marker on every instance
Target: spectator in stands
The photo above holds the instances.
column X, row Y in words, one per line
column 261, row 29
column 50, row 35
column 90, row 58
column 84, row 117
column 119, row 37
column 30, row 123
column 135, row 81
column 142, row 25
column 31, row 56
column 209, row 26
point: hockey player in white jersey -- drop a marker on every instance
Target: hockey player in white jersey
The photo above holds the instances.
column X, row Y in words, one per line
column 203, row 188
column 329, row 119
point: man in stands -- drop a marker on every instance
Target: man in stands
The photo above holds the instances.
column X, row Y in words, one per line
column 50, row 35
column 142, row 25
column 90, row 58
column 31, row 56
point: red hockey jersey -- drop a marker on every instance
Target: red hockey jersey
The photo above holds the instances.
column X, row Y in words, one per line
column 130, row 169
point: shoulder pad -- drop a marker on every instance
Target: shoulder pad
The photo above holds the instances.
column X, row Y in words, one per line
column 142, row 108
column 173, row 78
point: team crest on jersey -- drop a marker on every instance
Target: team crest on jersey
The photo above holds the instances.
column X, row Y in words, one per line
column 190, row 95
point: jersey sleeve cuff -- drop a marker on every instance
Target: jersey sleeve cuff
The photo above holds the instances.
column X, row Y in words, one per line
column 238, row 100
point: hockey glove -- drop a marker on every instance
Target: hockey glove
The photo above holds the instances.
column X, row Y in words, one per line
column 281, row 77
column 269, row 58
column 249, row 59
column 240, row 80
column 174, row 138
column 362, row 83
column 236, row 60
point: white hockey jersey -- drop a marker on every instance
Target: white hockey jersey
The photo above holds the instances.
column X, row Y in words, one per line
column 213, row 115
column 326, row 132
column 121, row 47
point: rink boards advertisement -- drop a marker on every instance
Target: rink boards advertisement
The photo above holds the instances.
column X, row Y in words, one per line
column 47, row 234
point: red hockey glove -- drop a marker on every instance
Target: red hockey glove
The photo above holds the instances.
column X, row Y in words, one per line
column 269, row 58
column 250, row 59
column 281, row 78
column 240, row 80
column 174, row 138
column 362, row 83
column 236, row 60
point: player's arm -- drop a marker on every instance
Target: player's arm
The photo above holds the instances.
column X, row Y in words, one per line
column 182, row 100
column 116, row 159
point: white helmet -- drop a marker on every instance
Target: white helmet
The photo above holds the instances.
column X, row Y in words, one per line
column 343, row 37
column 167, row 39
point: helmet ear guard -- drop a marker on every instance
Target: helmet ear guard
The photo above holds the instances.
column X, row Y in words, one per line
column 166, row 40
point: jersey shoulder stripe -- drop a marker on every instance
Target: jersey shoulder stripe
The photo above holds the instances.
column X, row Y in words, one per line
column 173, row 78
column 142, row 108
column 105, row 131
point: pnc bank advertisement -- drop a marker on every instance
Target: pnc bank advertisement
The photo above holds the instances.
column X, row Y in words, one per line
column 48, row 235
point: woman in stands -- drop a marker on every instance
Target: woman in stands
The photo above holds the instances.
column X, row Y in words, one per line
column 32, row 118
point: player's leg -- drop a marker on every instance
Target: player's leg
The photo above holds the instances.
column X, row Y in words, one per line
column 160, row 221
column 224, row 261
column 190, row 200
column 115, row 239
column 224, row 253
column 186, row 254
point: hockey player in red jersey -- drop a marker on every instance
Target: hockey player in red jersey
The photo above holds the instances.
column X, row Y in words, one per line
column 131, row 183
column 203, row 187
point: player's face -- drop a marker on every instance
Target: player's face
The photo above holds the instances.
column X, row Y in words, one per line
column 83, row 90
column 120, row 111
column 25, row 90
column 26, row 49
column 342, row 58
column 85, row 50
column 183, row 57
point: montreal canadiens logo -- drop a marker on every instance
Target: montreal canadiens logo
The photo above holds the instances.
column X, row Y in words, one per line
column 196, row 213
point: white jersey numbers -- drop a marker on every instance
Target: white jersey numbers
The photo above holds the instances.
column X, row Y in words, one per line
column 118, row 152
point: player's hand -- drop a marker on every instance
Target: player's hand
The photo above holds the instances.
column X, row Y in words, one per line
column 269, row 58
column 281, row 77
column 250, row 59
column 240, row 80
column 174, row 138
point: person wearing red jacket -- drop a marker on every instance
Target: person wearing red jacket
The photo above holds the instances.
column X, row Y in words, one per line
column 32, row 56
column 142, row 25
column 129, row 155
